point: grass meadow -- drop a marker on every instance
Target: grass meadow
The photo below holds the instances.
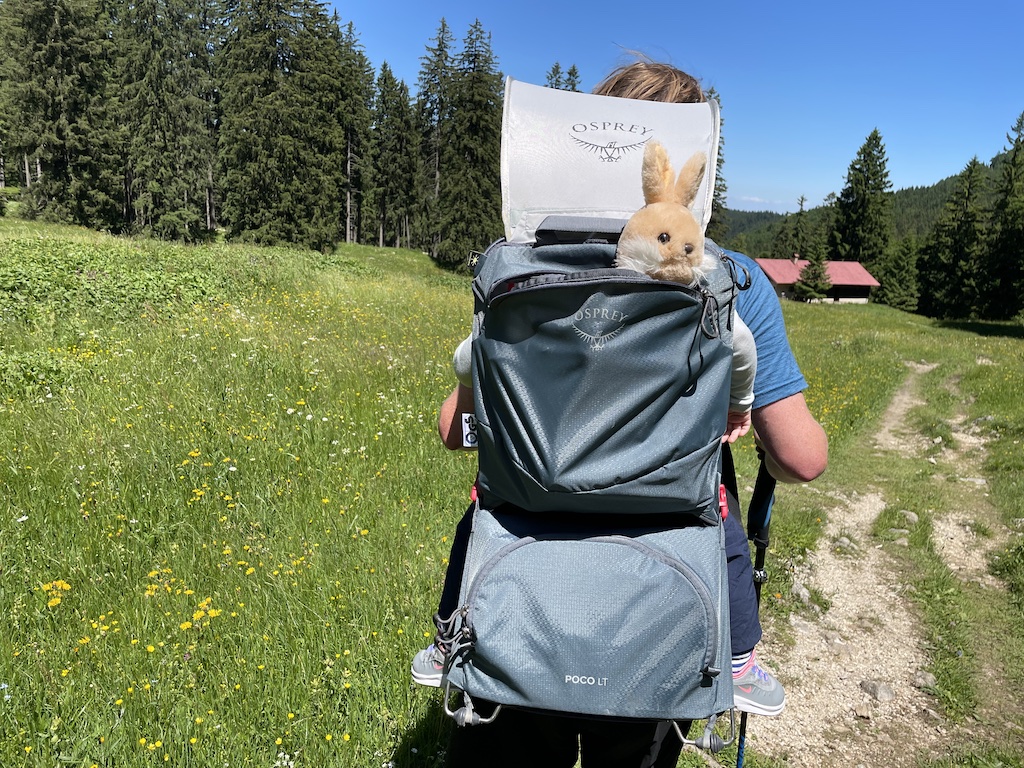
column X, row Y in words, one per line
column 226, row 513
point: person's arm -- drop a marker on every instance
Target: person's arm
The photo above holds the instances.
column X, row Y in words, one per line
column 449, row 421
column 795, row 444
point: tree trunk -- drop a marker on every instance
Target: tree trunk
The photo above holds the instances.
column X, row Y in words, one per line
column 209, row 199
column 348, row 192
column 28, row 174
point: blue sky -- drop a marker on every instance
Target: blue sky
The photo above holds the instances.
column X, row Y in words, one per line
column 802, row 83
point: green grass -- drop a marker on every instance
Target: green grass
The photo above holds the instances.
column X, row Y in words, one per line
column 227, row 512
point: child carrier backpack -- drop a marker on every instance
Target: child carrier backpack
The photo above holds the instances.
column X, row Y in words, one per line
column 595, row 581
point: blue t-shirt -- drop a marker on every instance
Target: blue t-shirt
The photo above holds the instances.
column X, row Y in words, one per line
column 778, row 375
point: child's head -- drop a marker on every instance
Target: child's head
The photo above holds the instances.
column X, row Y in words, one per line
column 651, row 81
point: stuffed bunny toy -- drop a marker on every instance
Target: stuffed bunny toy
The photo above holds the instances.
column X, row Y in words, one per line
column 663, row 239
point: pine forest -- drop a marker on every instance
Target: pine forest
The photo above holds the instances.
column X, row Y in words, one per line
column 265, row 122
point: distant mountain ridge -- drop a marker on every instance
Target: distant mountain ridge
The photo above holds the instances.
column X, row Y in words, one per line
column 915, row 212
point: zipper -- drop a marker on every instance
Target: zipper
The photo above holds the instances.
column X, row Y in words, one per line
column 554, row 280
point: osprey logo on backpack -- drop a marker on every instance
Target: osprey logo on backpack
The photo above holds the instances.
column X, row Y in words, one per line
column 598, row 325
column 604, row 138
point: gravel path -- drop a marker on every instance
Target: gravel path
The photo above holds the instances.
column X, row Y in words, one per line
column 852, row 675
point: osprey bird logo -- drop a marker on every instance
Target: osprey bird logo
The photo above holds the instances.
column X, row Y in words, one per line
column 596, row 342
column 611, row 152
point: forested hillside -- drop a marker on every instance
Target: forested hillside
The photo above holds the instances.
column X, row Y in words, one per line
column 262, row 122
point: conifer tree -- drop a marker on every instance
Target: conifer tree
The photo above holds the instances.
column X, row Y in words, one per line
column 555, row 77
column 396, row 156
column 783, row 245
column 355, row 94
column 954, row 257
column 572, row 79
column 897, row 275
column 800, row 233
column 1005, row 266
column 434, row 117
column 814, row 282
column 863, row 225
column 470, row 195
column 280, row 144
column 58, row 56
column 718, row 226
column 164, row 115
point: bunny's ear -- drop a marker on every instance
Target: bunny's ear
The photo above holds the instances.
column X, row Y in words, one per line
column 657, row 174
column 690, row 178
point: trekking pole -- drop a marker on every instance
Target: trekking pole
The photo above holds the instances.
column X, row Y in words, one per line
column 759, row 517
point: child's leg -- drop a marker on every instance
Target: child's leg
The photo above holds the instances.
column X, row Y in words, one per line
column 744, row 622
column 428, row 664
column 456, row 565
column 754, row 689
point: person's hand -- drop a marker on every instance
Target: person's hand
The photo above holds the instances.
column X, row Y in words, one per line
column 737, row 425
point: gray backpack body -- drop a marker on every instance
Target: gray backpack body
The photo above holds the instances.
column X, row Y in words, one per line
column 595, row 581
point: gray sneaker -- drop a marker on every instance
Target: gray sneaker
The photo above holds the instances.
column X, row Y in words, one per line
column 757, row 692
column 428, row 666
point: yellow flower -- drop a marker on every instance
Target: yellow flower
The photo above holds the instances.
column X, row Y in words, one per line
column 346, row 737
column 53, row 602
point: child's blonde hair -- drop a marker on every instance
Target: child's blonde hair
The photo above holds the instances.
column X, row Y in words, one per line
column 651, row 81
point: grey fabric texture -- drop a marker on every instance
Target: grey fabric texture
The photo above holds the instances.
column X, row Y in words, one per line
column 598, row 389
column 611, row 621
column 595, row 580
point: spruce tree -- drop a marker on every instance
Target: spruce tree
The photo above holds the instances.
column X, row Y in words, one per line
column 953, row 259
column 396, row 156
column 783, row 245
column 1005, row 266
column 470, row 193
column 800, row 233
column 814, row 282
column 572, row 79
column 555, row 77
column 897, row 275
column 355, row 94
column 434, row 119
column 718, row 226
column 164, row 113
column 863, row 225
column 280, row 145
column 58, row 55
column 316, row 86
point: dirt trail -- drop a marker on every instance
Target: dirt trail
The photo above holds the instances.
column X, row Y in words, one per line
column 852, row 675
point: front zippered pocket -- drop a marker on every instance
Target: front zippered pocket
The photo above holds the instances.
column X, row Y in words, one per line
column 606, row 625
